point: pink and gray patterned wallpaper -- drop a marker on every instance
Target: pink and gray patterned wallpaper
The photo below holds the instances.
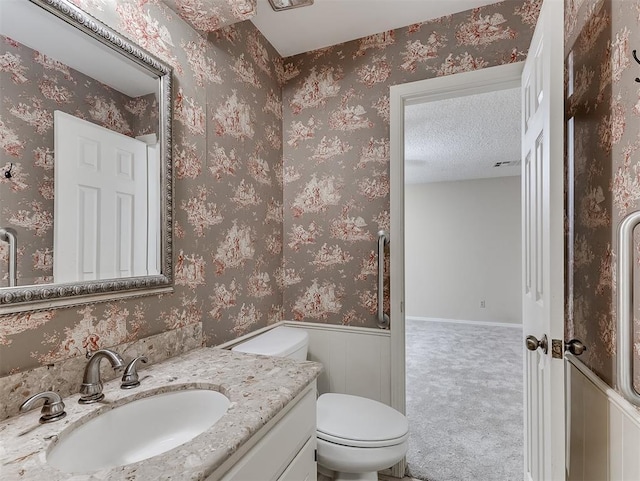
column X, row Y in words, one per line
column 209, row 15
column 603, row 104
column 263, row 169
column 228, row 196
column 32, row 86
column 336, row 148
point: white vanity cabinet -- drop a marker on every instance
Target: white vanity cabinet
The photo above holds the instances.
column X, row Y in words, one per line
column 284, row 449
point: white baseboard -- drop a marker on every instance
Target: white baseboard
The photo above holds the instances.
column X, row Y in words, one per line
column 460, row 321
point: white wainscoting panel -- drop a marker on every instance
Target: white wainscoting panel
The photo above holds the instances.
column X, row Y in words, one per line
column 603, row 429
column 356, row 360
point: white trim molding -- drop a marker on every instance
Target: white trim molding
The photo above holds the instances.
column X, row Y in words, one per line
column 463, row 321
column 336, row 327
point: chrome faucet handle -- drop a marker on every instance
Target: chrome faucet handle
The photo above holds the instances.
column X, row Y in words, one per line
column 130, row 377
column 52, row 409
column 91, row 388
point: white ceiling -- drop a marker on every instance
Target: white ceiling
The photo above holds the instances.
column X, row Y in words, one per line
column 330, row 22
column 462, row 138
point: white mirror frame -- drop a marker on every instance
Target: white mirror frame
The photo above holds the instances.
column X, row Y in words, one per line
column 51, row 296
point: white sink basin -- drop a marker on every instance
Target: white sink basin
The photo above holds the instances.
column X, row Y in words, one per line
column 138, row 430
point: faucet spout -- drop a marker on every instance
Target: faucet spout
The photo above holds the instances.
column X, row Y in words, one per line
column 91, row 388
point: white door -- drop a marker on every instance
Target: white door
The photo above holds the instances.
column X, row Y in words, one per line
column 100, row 202
column 153, row 201
column 153, row 219
column 543, row 248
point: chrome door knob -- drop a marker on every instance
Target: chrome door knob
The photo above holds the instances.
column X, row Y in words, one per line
column 575, row 347
column 533, row 343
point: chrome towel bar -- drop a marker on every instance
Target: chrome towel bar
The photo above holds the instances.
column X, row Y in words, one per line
column 383, row 319
column 9, row 235
column 624, row 308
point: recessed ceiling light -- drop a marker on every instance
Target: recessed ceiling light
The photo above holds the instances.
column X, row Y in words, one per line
column 279, row 5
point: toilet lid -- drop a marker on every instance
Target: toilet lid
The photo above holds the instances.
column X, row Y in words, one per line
column 357, row 421
column 280, row 341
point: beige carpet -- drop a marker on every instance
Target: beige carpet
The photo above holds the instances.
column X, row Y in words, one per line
column 464, row 402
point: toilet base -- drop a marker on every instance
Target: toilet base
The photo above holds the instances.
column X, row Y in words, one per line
column 325, row 474
column 355, row 477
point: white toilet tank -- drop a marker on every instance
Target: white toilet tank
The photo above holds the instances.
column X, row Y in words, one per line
column 280, row 342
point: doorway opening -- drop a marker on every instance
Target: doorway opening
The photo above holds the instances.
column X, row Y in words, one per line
column 461, row 237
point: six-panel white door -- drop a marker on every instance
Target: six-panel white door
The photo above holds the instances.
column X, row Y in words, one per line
column 100, row 202
column 543, row 247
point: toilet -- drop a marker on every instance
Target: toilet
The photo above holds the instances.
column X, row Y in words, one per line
column 357, row 437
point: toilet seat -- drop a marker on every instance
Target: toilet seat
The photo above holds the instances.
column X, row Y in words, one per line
column 353, row 443
column 359, row 422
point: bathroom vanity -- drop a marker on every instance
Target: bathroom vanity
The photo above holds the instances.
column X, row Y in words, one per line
column 286, row 451
column 267, row 433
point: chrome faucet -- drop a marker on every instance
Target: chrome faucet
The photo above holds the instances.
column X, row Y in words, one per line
column 91, row 388
column 130, row 378
column 52, row 409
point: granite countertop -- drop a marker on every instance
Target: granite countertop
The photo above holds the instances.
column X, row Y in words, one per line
column 257, row 386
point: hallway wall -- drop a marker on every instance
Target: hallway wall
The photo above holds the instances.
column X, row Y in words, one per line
column 463, row 246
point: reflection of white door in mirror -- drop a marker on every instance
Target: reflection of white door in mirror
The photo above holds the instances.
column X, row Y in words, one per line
column 113, row 76
column 153, row 205
column 100, row 203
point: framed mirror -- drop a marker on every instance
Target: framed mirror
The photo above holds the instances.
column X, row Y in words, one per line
column 86, row 200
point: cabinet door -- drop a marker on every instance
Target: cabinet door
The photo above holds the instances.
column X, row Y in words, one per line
column 271, row 456
column 303, row 467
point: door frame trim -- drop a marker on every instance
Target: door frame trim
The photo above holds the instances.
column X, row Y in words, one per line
column 468, row 83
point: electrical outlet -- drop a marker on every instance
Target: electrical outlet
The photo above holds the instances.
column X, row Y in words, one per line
column 483, row 304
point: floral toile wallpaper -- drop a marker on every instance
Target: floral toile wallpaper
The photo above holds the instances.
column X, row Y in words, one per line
column 32, row 86
column 336, row 148
column 281, row 170
column 210, row 15
column 228, row 196
column 603, row 118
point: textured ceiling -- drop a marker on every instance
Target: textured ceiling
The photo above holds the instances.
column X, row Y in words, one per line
column 330, row 22
column 463, row 138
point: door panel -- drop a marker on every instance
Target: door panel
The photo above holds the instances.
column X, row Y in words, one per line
column 89, row 220
column 104, row 175
column 543, row 240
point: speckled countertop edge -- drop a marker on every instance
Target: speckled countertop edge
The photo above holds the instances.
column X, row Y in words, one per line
column 257, row 386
